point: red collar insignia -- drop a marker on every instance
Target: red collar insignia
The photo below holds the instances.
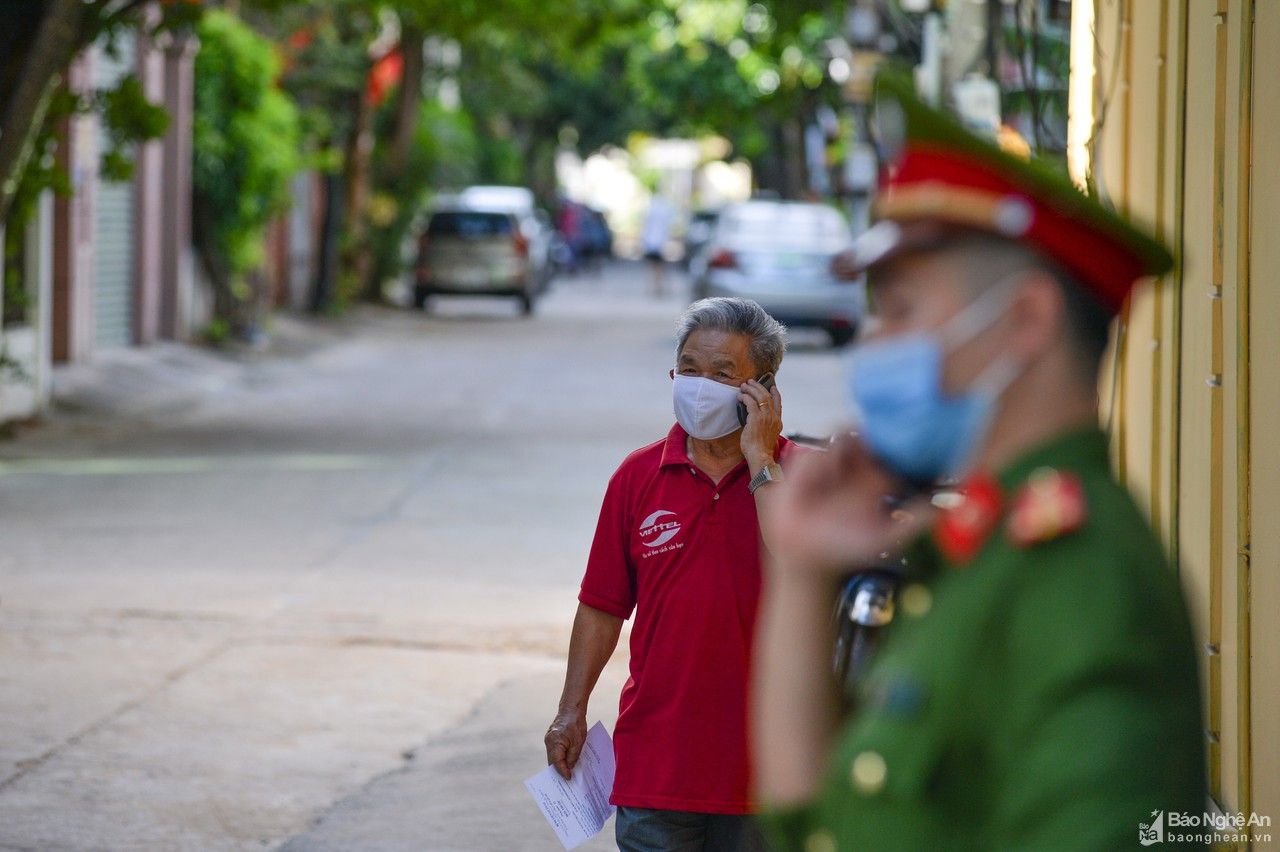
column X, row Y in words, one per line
column 1049, row 505
column 965, row 526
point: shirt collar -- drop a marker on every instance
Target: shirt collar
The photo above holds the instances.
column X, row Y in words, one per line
column 1082, row 450
column 676, row 449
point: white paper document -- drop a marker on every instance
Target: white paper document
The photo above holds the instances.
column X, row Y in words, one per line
column 577, row 809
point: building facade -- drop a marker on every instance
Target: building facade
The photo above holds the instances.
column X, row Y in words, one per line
column 123, row 262
column 111, row 264
column 1186, row 123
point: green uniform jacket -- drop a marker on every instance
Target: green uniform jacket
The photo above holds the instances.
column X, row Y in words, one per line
column 1035, row 697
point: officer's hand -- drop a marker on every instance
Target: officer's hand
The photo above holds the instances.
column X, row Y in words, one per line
column 564, row 741
column 844, row 266
column 764, row 423
column 831, row 513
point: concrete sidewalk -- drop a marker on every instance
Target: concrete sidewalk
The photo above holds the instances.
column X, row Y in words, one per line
column 166, row 376
column 138, row 387
column 429, row 803
column 238, row 588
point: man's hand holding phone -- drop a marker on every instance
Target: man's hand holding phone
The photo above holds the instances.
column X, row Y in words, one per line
column 760, row 413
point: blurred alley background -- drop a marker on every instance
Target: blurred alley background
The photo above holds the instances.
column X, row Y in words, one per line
column 325, row 323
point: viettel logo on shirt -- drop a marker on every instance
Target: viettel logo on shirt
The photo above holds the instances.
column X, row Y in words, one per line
column 659, row 528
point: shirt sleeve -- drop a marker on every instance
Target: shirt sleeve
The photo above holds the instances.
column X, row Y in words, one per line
column 788, row 451
column 609, row 582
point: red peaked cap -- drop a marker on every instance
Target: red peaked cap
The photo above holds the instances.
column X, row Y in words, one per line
column 947, row 176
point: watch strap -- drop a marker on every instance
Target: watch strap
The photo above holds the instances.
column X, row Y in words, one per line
column 772, row 472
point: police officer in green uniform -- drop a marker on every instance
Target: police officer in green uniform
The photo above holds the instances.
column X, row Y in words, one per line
column 1038, row 688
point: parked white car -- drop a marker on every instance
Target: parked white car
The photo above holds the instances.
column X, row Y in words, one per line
column 779, row 254
column 484, row 241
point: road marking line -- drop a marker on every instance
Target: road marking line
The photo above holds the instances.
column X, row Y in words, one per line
column 132, row 466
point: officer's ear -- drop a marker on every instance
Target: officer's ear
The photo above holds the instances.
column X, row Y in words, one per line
column 1037, row 315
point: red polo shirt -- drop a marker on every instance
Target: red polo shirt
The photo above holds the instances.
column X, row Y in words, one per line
column 684, row 553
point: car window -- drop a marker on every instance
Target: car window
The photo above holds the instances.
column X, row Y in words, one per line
column 793, row 225
column 469, row 225
column 513, row 198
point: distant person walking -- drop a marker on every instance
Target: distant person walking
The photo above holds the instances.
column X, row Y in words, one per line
column 569, row 224
column 653, row 240
column 678, row 544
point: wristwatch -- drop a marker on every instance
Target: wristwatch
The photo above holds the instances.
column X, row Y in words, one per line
column 772, row 472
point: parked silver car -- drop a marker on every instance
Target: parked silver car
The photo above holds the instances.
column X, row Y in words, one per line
column 779, row 254
column 485, row 241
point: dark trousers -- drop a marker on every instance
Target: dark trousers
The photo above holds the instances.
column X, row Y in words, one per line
column 647, row 830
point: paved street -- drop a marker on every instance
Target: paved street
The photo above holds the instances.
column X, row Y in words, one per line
column 320, row 598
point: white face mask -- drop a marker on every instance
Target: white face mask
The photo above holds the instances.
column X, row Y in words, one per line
column 706, row 409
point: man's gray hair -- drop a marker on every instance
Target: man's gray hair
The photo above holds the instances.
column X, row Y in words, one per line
column 737, row 316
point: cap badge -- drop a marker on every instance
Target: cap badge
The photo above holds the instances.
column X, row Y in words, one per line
column 1013, row 216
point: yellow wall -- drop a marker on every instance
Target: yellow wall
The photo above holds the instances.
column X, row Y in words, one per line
column 1188, row 91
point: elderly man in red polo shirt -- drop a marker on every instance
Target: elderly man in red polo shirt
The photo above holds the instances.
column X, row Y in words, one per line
column 679, row 544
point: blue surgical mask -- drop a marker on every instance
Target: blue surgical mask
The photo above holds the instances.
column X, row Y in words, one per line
column 900, row 408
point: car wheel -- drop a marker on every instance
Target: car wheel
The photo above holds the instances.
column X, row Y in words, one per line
column 420, row 299
column 841, row 336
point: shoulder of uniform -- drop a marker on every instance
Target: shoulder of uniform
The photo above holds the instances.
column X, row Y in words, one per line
column 970, row 515
column 1049, row 505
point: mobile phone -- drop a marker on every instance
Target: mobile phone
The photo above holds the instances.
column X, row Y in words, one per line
column 767, row 381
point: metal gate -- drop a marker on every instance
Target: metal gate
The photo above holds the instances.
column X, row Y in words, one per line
column 113, row 223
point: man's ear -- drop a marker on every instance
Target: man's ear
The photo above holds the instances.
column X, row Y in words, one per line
column 1038, row 315
column 672, row 374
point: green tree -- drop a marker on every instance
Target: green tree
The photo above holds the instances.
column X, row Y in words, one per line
column 751, row 72
column 326, row 48
column 34, row 107
column 531, row 69
column 744, row 71
column 37, row 43
column 443, row 152
column 369, row 156
column 246, row 147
